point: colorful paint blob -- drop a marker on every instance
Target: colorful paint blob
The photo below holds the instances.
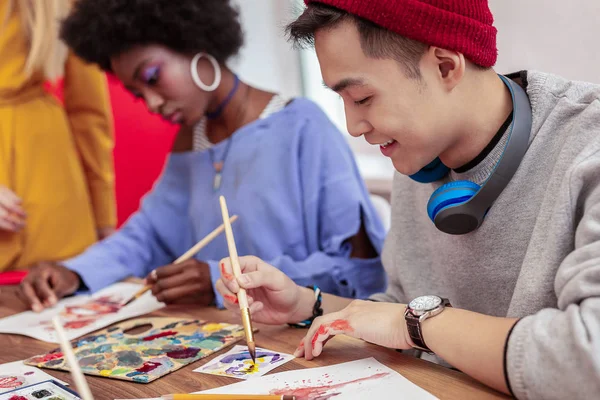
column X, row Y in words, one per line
column 40, row 394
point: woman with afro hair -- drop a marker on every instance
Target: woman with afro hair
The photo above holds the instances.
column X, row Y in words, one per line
column 282, row 165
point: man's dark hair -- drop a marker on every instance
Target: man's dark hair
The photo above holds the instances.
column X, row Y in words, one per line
column 97, row 30
column 376, row 42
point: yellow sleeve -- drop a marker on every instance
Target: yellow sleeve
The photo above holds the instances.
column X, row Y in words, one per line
column 87, row 105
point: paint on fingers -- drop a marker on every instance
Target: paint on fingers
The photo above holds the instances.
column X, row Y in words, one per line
column 336, row 327
column 231, row 298
column 226, row 275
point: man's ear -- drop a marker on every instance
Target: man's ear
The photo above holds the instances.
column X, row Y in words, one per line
column 448, row 66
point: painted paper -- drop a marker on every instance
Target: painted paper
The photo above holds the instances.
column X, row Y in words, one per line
column 170, row 344
column 82, row 314
column 47, row 390
column 16, row 374
column 237, row 363
column 355, row 380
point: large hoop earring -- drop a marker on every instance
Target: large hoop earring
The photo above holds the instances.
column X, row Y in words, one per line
column 196, row 78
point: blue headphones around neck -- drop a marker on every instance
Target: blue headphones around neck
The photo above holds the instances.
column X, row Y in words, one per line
column 459, row 207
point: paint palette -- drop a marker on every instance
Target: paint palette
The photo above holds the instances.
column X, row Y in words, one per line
column 169, row 345
column 47, row 390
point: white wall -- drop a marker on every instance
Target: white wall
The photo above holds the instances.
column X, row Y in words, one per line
column 267, row 60
column 558, row 36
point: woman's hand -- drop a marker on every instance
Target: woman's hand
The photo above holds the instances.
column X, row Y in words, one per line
column 273, row 297
column 12, row 215
column 46, row 283
column 187, row 282
column 375, row 322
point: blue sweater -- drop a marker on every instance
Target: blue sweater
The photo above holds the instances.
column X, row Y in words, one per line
column 292, row 180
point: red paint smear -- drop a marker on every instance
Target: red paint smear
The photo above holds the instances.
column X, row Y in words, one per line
column 148, row 366
column 78, row 324
column 16, row 397
column 10, row 382
column 47, row 357
column 231, row 298
column 320, row 392
column 80, row 316
column 323, row 329
column 341, row 325
column 225, row 274
column 159, row 335
column 337, row 325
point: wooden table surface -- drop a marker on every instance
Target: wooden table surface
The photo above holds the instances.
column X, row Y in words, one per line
column 441, row 382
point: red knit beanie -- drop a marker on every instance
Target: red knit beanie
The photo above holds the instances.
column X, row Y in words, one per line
column 460, row 25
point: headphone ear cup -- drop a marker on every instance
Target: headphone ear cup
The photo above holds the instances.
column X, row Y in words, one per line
column 450, row 194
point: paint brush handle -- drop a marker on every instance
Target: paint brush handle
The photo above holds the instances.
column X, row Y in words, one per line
column 202, row 243
column 237, row 271
column 233, row 255
column 187, row 255
column 65, row 345
column 207, row 396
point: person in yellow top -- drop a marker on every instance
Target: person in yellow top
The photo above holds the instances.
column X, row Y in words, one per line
column 56, row 172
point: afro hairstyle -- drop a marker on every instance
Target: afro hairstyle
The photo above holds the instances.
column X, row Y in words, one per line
column 97, row 30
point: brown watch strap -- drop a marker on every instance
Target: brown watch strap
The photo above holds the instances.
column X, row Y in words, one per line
column 414, row 331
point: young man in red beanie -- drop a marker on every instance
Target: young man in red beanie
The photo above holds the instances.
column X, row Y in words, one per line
column 496, row 209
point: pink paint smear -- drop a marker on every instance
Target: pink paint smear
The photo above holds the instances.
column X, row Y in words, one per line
column 322, row 392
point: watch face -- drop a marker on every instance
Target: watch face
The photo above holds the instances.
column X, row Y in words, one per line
column 425, row 303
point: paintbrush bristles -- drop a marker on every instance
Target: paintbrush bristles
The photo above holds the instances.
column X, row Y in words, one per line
column 252, row 350
column 136, row 296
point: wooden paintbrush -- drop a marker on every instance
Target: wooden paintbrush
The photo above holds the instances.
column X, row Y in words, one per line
column 237, row 271
column 65, row 345
column 207, row 396
column 186, row 256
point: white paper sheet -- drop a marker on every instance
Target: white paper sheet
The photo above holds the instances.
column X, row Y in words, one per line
column 360, row 380
column 82, row 314
column 237, row 363
column 16, row 374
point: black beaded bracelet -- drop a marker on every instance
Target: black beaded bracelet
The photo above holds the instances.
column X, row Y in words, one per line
column 317, row 310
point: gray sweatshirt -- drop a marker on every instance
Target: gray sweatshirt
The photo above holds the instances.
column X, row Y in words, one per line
column 537, row 254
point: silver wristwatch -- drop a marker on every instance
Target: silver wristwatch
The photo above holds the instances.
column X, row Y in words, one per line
column 419, row 310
